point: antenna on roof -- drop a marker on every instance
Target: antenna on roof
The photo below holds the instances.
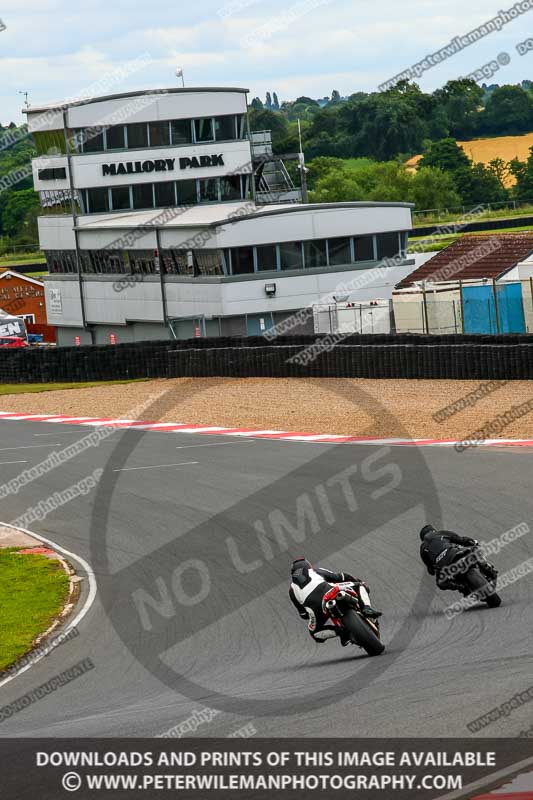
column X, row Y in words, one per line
column 25, row 98
column 179, row 74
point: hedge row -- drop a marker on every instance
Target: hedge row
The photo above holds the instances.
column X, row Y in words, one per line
column 410, row 356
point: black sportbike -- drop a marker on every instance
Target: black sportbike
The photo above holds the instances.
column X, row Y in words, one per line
column 465, row 569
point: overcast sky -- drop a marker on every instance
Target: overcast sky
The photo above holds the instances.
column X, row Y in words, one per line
column 57, row 49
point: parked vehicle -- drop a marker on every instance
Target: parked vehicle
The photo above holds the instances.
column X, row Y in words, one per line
column 13, row 341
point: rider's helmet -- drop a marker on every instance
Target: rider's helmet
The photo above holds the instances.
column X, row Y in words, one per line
column 299, row 564
column 300, row 571
column 426, row 530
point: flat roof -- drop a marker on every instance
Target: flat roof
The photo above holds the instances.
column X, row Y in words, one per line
column 189, row 216
column 62, row 104
column 294, row 208
column 208, row 216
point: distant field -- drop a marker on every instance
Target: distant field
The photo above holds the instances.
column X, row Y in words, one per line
column 484, row 150
column 358, row 163
column 506, row 147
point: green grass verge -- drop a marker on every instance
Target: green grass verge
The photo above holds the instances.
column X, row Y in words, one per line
column 28, row 388
column 14, row 260
column 440, row 242
column 434, row 247
column 501, row 213
column 33, row 590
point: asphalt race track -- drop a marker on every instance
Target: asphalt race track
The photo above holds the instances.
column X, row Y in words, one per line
column 191, row 539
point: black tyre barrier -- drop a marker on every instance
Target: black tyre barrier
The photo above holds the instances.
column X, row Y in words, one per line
column 400, row 361
column 380, row 356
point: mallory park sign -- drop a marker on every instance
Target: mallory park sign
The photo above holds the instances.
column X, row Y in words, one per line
column 162, row 165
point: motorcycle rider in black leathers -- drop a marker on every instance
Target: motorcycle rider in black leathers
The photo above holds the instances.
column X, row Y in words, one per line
column 433, row 550
column 309, row 585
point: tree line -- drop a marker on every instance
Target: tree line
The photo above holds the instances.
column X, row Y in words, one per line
column 444, row 178
column 397, row 123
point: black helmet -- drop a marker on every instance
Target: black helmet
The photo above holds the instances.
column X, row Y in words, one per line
column 300, row 563
column 425, row 530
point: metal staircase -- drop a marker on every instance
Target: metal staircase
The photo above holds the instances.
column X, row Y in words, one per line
column 273, row 182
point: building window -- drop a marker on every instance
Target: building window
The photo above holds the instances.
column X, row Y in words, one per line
column 230, row 187
column 97, row 200
column 364, row 248
column 95, row 261
column 226, row 261
column 241, row 126
column 340, row 251
column 388, row 245
column 181, row 131
column 246, row 187
column 203, row 130
column 315, row 254
column 115, row 262
column 86, row 263
column 55, row 174
column 30, row 318
column 82, row 201
column 58, row 201
column 93, row 140
column 75, row 142
column 208, row 262
column 142, row 262
column 225, row 128
column 208, row 190
column 176, row 262
column 120, row 198
column 266, row 257
column 164, row 194
column 137, row 135
column 159, row 134
column 69, row 261
column 404, row 243
column 60, row 261
column 143, row 195
column 290, row 255
column 187, row 192
column 51, row 142
column 242, row 260
column 115, row 138
column 106, row 262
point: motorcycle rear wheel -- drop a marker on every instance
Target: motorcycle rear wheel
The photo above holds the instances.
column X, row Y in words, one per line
column 478, row 582
column 361, row 633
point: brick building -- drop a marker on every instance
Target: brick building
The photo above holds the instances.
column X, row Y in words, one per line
column 23, row 296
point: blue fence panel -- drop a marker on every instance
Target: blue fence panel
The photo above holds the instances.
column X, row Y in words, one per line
column 511, row 308
column 480, row 310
